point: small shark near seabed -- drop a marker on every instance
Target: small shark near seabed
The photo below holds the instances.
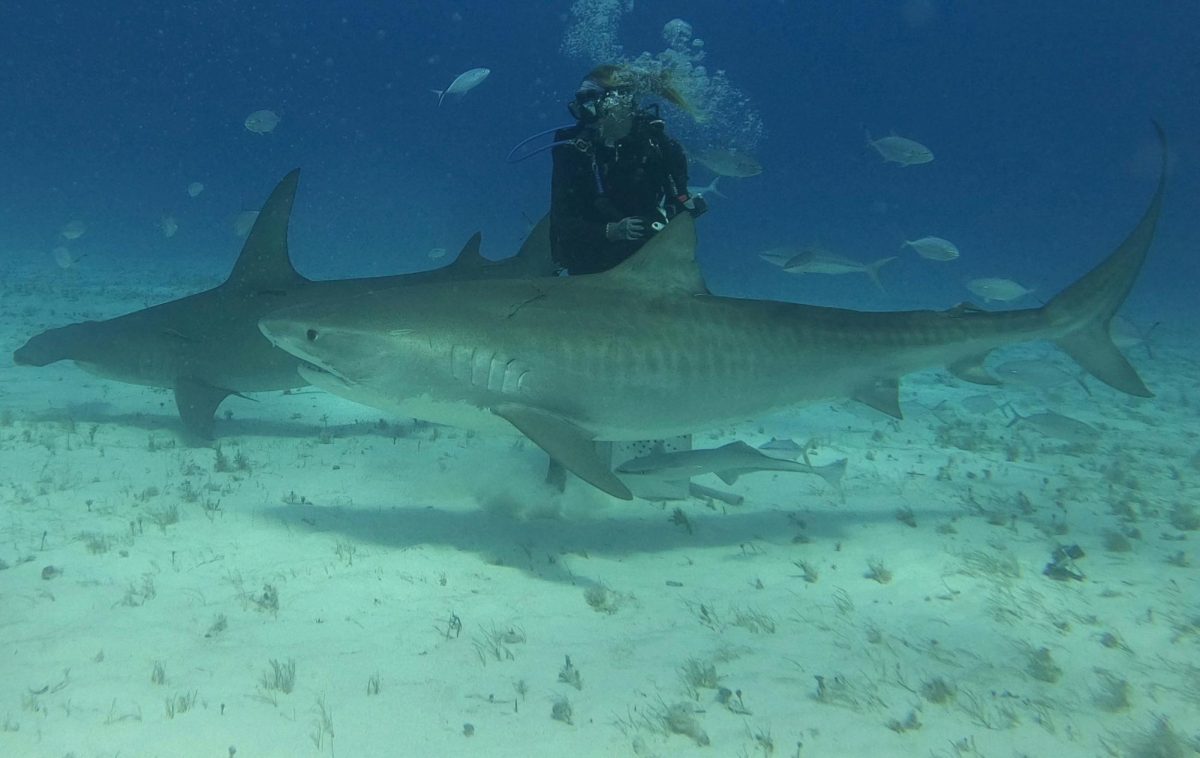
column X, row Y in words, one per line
column 645, row 351
column 728, row 462
column 207, row 346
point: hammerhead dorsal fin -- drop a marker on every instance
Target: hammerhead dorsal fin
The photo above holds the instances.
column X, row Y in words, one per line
column 264, row 263
column 470, row 259
column 666, row 263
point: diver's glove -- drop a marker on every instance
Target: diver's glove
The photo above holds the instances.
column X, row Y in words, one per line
column 628, row 228
column 696, row 205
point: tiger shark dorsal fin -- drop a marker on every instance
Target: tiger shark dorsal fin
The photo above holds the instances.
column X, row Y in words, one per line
column 667, row 262
column 264, row 263
column 470, row 258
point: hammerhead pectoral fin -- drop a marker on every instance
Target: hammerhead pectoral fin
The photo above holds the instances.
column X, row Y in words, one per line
column 970, row 369
column 566, row 443
column 883, row 395
column 197, row 403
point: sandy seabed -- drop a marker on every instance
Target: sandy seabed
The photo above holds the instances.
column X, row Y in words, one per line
column 324, row 581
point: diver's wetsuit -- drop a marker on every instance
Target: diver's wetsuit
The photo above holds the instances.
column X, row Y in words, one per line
column 644, row 174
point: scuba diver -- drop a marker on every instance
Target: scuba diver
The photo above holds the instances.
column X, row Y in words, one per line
column 618, row 177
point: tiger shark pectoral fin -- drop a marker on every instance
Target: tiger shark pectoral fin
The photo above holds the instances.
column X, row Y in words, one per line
column 197, row 402
column 566, row 443
column 883, row 395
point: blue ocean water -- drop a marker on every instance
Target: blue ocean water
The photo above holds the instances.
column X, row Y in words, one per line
column 1037, row 114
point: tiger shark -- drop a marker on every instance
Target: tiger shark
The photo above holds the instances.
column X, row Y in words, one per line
column 207, row 346
column 645, row 351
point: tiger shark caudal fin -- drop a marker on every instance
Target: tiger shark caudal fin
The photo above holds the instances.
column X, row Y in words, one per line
column 1085, row 309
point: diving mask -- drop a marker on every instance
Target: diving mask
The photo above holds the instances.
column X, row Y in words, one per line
column 592, row 102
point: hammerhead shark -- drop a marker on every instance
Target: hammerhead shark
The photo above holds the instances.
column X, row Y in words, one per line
column 207, row 346
column 645, row 351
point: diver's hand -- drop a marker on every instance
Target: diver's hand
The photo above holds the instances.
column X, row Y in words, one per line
column 628, row 228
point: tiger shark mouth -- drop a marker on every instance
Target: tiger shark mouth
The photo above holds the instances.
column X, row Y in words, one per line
column 319, row 376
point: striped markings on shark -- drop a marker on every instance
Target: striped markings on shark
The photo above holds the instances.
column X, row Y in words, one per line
column 645, row 351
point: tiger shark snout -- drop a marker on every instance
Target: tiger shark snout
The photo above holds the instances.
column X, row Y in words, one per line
column 331, row 356
column 295, row 336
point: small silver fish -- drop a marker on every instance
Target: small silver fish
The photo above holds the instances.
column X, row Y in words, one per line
column 1059, row 427
column 706, row 190
column 900, row 150
column 817, row 260
column 73, row 230
column 998, row 290
column 729, row 162
column 1041, row 373
column 463, row 83
column 64, row 258
column 933, row 248
column 262, row 122
column 782, row 445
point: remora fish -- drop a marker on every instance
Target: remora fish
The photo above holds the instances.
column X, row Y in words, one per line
column 644, row 351
column 463, row 83
column 728, row 462
column 207, row 346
